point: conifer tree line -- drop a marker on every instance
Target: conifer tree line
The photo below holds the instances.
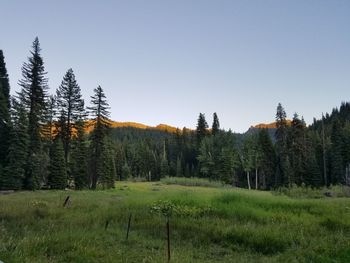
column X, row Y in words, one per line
column 291, row 154
column 44, row 143
column 294, row 154
column 43, row 137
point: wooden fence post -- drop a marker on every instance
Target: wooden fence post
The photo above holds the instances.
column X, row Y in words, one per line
column 127, row 232
column 168, row 236
column 66, row 201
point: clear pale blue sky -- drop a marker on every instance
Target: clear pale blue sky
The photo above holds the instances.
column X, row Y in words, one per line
column 166, row 61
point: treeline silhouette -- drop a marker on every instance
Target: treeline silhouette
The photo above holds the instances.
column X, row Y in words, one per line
column 44, row 143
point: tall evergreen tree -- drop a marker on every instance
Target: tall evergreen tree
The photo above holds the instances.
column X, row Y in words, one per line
column 268, row 159
column 337, row 169
column 49, row 130
column 79, row 161
column 57, row 170
column 202, row 128
column 13, row 174
column 4, row 111
column 206, row 158
column 281, row 146
column 71, row 106
column 100, row 112
column 119, row 159
column 297, row 149
column 107, row 166
column 216, row 125
column 324, row 155
column 34, row 89
column 4, row 80
column 312, row 172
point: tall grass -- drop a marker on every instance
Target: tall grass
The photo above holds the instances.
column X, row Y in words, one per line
column 309, row 192
column 209, row 225
column 192, row 182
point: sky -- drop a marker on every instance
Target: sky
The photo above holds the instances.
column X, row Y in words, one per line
column 162, row 61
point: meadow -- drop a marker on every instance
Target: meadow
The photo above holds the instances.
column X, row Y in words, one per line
column 207, row 224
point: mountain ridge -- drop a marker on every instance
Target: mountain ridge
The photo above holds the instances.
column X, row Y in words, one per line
column 172, row 129
column 271, row 125
column 137, row 125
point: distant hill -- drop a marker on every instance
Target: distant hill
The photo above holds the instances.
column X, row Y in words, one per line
column 171, row 129
column 271, row 127
column 117, row 124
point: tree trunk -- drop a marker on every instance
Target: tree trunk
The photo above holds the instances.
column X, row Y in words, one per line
column 248, row 180
column 256, row 178
column 324, row 155
column 264, row 181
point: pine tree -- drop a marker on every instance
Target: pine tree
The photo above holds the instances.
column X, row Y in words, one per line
column 179, row 170
column 4, row 111
column 119, row 160
column 50, row 128
column 13, row 174
column 34, row 89
column 216, row 125
column 71, row 107
column 206, row 158
column 100, row 113
column 337, row 169
column 346, row 142
column 297, row 150
column 79, row 161
column 268, row 159
column 135, row 161
column 57, row 171
column 312, row 172
column 202, row 128
column 281, row 146
column 148, row 163
column 108, row 175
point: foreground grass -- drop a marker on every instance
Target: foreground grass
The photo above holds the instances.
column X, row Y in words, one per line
column 235, row 225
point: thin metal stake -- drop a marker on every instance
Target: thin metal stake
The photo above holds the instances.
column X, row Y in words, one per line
column 127, row 232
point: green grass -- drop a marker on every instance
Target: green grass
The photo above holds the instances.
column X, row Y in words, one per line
column 209, row 225
column 191, row 182
column 308, row 192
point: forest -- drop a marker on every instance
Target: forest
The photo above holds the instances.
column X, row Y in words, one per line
column 46, row 143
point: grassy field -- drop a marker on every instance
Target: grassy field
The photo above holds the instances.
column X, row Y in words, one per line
column 209, row 224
